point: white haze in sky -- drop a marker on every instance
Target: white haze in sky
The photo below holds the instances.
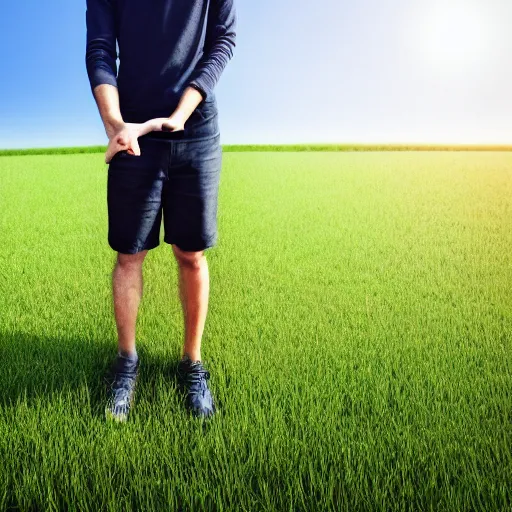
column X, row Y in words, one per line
column 431, row 71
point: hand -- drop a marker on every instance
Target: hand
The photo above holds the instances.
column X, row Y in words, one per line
column 124, row 135
column 174, row 123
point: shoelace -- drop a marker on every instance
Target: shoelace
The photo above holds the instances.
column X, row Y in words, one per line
column 196, row 379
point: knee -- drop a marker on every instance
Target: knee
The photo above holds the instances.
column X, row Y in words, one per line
column 130, row 261
column 189, row 259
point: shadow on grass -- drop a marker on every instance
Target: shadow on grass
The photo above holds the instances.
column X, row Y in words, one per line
column 40, row 367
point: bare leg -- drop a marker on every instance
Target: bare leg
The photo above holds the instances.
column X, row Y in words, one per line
column 194, row 288
column 127, row 286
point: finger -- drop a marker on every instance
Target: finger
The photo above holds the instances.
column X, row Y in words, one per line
column 168, row 126
column 110, row 154
column 135, row 146
column 112, row 149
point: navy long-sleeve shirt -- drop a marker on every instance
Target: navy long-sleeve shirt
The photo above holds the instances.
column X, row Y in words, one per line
column 164, row 46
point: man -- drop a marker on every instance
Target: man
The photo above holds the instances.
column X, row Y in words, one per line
column 164, row 155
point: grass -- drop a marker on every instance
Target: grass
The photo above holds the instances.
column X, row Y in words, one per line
column 282, row 147
column 359, row 339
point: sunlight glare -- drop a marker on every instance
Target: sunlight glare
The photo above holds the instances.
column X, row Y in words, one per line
column 455, row 36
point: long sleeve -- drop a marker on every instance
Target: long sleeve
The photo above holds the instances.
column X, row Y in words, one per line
column 100, row 55
column 218, row 47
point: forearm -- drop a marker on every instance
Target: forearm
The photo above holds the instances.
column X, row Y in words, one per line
column 107, row 100
column 219, row 45
column 189, row 101
column 100, row 59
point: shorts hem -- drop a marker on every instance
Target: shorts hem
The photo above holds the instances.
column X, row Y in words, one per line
column 187, row 246
column 132, row 250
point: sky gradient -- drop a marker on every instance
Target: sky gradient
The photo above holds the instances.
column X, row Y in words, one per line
column 385, row 71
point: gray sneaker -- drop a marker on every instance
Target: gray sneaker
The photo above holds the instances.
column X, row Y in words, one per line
column 193, row 382
column 122, row 389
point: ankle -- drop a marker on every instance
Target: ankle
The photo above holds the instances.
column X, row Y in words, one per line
column 128, row 354
column 193, row 356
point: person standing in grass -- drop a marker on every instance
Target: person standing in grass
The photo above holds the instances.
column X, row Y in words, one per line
column 160, row 115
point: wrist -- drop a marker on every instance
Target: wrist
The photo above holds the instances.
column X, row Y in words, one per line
column 179, row 116
column 151, row 125
column 112, row 126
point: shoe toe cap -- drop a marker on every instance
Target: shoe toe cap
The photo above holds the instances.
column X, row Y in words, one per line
column 203, row 405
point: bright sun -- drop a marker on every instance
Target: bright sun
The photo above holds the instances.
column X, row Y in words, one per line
column 455, row 35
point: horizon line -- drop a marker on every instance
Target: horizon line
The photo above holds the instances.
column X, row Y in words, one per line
column 302, row 146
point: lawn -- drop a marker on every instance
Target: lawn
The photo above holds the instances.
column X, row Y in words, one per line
column 359, row 339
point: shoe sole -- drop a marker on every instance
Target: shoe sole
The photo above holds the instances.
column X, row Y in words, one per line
column 123, row 417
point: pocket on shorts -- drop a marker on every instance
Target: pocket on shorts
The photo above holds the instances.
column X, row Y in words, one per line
column 124, row 156
column 121, row 154
column 203, row 122
column 125, row 162
column 207, row 109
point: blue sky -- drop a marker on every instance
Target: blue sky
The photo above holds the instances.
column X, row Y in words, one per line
column 323, row 71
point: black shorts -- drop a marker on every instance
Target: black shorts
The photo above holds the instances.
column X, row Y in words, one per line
column 177, row 175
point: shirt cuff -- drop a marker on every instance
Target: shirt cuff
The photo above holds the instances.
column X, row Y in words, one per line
column 102, row 76
column 197, row 87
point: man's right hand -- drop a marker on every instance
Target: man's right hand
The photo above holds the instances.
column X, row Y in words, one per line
column 123, row 136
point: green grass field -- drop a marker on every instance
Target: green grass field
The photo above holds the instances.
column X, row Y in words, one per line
column 359, row 339
column 281, row 147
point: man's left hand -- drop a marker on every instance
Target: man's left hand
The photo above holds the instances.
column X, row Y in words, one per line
column 173, row 123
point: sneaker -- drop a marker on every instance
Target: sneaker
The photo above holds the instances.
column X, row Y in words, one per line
column 121, row 392
column 192, row 379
